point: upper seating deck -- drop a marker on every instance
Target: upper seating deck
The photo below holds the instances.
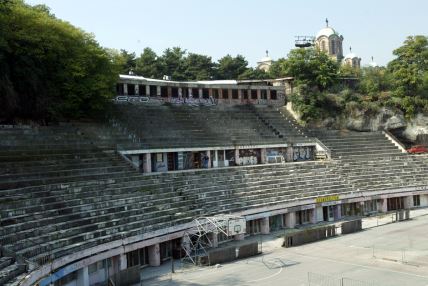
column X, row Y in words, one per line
column 170, row 126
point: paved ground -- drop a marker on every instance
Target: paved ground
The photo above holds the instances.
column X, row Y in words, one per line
column 389, row 255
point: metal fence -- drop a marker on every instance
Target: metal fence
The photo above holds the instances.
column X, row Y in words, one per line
column 315, row 279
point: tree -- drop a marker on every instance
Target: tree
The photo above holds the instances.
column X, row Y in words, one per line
column 373, row 80
column 410, row 66
column 148, row 64
column 311, row 67
column 251, row 73
column 172, row 63
column 48, row 68
column 198, row 67
column 278, row 69
column 127, row 62
column 231, row 67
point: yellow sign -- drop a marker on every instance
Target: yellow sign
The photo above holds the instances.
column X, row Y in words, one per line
column 327, row 199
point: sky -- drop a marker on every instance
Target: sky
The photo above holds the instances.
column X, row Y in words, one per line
column 247, row 27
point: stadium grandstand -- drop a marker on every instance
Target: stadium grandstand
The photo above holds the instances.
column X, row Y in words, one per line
column 82, row 201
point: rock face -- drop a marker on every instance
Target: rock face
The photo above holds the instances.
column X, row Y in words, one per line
column 409, row 130
column 415, row 127
column 384, row 119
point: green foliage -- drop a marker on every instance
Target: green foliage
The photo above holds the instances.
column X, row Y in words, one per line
column 48, row 68
column 231, row 67
column 198, row 67
column 410, row 67
column 310, row 67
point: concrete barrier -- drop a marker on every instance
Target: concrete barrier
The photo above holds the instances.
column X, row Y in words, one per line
column 351, row 226
column 309, row 235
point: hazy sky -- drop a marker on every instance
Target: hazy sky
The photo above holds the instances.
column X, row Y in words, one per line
column 247, row 27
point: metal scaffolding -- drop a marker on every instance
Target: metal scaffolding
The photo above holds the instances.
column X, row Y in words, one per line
column 197, row 240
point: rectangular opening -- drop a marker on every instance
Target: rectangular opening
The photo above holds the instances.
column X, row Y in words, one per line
column 131, row 89
column 273, row 95
column 225, row 93
column 234, row 94
column 153, row 90
column 141, row 89
column 205, row 93
column 174, row 91
column 263, row 94
column 215, row 93
column 184, row 92
column 119, row 89
column 416, row 200
column 244, row 94
column 164, row 91
column 195, row 92
column 253, row 94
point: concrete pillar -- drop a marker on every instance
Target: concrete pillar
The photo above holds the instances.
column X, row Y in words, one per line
column 268, row 94
column 240, row 94
column 165, row 160
column 137, row 90
column 214, row 238
column 123, row 263
column 147, row 90
column 169, row 92
column 313, row 216
column 226, row 162
column 200, row 92
column 290, row 154
column 408, row 202
column 338, row 212
column 264, row 225
column 263, row 155
column 259, row 94
column 158, row 90
column 185, row 242
column 125, row 89
column 180, row 159
column 147, row 163
column 189, row 92
column 210, row 92
column 290, row 219
column 237, row 156
column 154, row 255
column 180, row 92
column 239, row 236
column 215, row 162
column 384, row 205
column 83, row 276
column 136, row 160
column 209, row 158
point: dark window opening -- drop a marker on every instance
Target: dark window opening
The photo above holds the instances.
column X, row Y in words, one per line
column 119, row 89
column 174, row 91
column 131, row 89
column 205, row 93
column 215, row 93
column 184, row 92
column 164, row 91
column 416, row 200
column 273, row 95
column 153, row 90
column 234, row 94
column 253, row 94
column 141, row 89
column 244, row 94
column 195, row 92
column 225, row 93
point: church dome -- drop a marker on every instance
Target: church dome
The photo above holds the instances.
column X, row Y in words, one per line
column 327, row 31
column 265, row 59
column 351, row 56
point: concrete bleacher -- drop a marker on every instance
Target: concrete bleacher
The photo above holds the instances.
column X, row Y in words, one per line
column 370, row 162
column 62, row 191
column 63, row 199
column 189, row 126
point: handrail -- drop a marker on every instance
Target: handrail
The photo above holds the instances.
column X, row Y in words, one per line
column 323, row 146
column 395, row 140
